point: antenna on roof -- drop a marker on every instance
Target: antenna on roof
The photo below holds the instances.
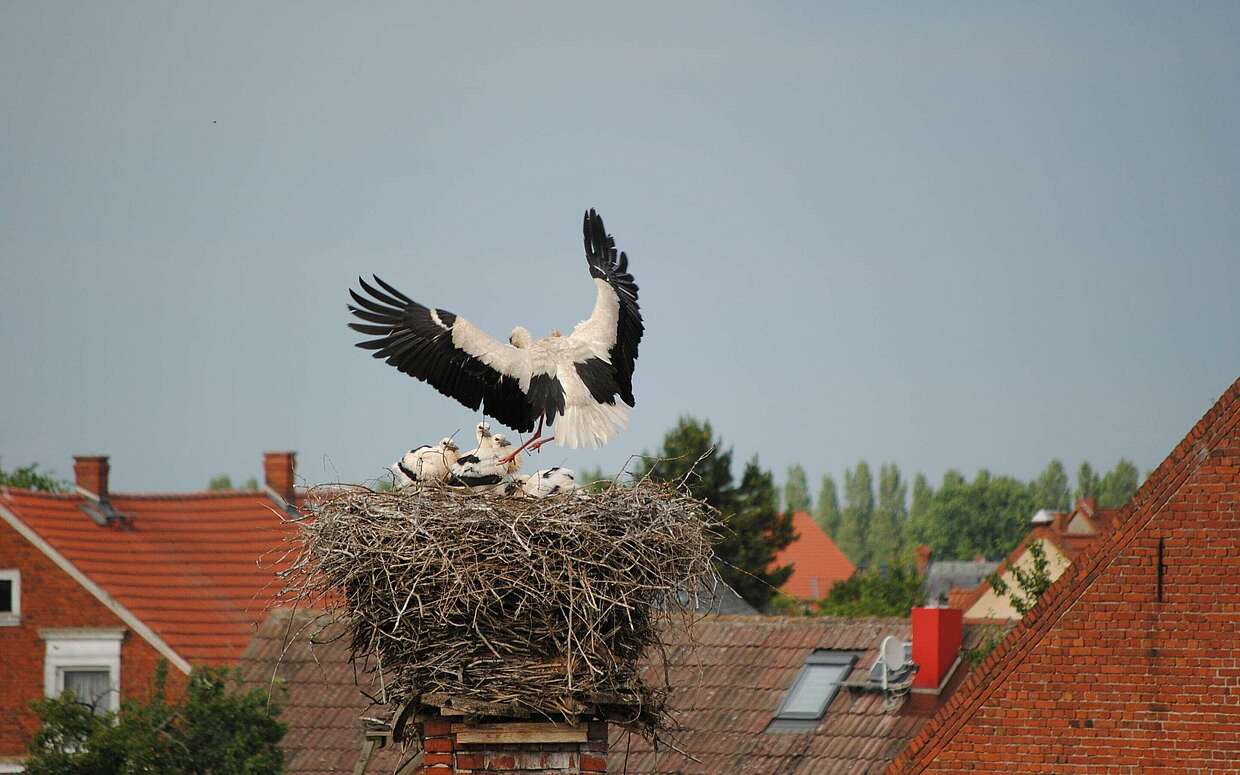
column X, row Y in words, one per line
column 893, row 661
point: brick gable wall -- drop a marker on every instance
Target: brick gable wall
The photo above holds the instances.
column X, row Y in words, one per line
column 1104, row 676
column 50, row 598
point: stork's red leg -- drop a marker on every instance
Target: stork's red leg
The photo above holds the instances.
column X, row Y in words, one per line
column 538, row 445
column 506, row 459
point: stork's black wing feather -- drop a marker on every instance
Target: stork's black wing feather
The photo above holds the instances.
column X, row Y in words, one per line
column 606, row 265
column 418, row 341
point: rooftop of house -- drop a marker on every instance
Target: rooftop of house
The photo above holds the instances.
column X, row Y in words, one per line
column 942, row 576
column 1191, row 495
column 197, row 569
column 733, row 676
column 817, row 563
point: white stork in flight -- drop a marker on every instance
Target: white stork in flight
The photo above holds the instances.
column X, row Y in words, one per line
column 571, row 381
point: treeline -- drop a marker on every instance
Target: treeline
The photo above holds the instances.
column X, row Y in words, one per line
column 878, row 523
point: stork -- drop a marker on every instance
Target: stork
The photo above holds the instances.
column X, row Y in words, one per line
column 570, row 381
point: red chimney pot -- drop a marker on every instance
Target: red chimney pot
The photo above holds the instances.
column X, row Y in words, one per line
column 936, row 645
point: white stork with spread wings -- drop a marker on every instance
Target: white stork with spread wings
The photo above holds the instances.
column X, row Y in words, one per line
column 572, row 381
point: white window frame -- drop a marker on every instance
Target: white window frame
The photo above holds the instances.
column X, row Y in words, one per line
column 82, row 649
column 12, row 618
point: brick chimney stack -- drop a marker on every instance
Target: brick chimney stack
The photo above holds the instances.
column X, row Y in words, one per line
column 90, row 472
column 279, row 469
column 936, row 646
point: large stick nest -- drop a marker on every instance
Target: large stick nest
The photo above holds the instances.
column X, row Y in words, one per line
column 537, row 606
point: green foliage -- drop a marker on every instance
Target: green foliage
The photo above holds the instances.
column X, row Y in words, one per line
column 987, row 516
column 873, row 593
column 31, row 478
column 796, row 490
column 991, row 636
column 1086, row 482
column 691, row 454
column 215, row 729
column 593, row 479
column 885, row 539
column 224, row 482
column 1119, row 485
column 827, row 510
column 853, row 534
column 786, row 605
column 1050, row 489
column 1031, row 583
column 754, row 530
column 922, row 495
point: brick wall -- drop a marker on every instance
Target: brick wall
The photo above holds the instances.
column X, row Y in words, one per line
column 445, row 754
column 50, row 598
column 1107, row 675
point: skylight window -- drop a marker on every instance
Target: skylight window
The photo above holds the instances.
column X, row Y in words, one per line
column 816, row 685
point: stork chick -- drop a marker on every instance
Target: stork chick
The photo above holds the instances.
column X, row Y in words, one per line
column 426, row 464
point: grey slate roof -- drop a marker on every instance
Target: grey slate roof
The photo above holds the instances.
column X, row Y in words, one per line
column 943, row 575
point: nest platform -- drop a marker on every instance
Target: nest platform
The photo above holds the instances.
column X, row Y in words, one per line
column 481, row 605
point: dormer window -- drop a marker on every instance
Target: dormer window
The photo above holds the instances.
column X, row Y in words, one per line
column 816, row 685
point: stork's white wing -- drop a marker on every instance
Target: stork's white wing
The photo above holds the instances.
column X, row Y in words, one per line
column 447, row 352
column 614, row 329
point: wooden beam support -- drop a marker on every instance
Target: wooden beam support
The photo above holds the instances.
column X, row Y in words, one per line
column 521, row 732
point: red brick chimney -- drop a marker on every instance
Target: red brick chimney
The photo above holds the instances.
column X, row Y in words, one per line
column 936, row 646
column 279, row 469
column 923, row 559
column 90, row 472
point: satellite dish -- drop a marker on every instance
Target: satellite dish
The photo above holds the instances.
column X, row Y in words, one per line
column 892, row 653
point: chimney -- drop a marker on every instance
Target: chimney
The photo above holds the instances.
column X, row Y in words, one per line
column 512, row 747
column 936, row 646
column 278, row 472
column 90, row 473
column 923, row 559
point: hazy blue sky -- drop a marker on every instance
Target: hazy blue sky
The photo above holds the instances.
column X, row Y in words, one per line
column 947, row 235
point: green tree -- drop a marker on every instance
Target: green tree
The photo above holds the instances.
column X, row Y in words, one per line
column 754, row 530
column 796, row 490
column 873, row 593
column 215, row 728
column 827, row 510
column 885, row 539
column 224, row 482
column 1086, row 482
column 1031, row 583
column 31, row 478
column 692, row 454
column 854, row 530
column 987, row 516
column 1119, row 485
column 1050, row 489
column 922, row 493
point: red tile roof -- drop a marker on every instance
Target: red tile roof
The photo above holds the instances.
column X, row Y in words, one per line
column 817, row 563
column 1104, row 574
column 186, row 565
column 731, row 675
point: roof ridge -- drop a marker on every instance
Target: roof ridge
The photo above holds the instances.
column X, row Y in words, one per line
column 1157, row 490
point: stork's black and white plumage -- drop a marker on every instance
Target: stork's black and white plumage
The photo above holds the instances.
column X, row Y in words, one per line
column 548, row 482
column 581, row 382
column 426, row 464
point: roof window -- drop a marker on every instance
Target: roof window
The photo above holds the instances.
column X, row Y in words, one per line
column 816, row 685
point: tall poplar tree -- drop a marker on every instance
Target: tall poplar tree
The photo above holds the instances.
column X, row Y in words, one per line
column 827, row 510
column 858, row 513
column 796, row 490
column 886, row 531
column 1119, row 485
column 1050, row 489
column 1086, row 482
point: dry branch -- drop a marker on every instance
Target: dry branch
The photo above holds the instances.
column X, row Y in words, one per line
column 510, row 606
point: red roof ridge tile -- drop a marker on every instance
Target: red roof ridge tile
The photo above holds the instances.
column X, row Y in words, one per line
column 1158, row 489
